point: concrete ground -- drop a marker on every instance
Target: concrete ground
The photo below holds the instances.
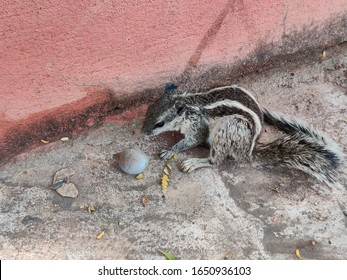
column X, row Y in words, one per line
column 235, row 211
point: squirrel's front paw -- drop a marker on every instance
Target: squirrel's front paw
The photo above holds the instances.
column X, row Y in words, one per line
column 166, row 154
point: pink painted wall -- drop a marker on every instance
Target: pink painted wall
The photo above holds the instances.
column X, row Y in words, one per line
column 52, row 52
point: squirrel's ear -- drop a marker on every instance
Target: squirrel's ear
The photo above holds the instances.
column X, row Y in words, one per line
column 180, row 107
column 170, row 88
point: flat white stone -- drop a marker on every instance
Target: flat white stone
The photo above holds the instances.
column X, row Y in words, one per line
column 68, row 190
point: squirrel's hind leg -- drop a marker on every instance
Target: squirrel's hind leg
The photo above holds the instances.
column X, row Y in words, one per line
column 231, row 137
column 191, row 164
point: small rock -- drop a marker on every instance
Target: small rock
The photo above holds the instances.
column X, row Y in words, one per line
column 90, row 122
column 68, row 190
column 62, row 185
column 31, row 219
column 63, row 174
column 132, row 161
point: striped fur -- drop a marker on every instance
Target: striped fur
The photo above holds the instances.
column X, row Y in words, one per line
column 254, row 119
column 230, row 119
column 303, row 148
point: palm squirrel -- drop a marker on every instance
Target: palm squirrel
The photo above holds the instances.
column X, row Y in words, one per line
column 230, row 120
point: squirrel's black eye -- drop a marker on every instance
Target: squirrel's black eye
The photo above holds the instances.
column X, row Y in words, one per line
column 159, row 124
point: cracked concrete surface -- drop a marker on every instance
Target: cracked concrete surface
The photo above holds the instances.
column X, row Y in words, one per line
column 235, row 211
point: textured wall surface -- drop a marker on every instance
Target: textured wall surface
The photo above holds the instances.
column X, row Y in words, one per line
column 55, row 53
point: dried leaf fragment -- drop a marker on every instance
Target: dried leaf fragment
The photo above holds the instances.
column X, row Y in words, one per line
column 324, row 54
column 90, row 208
column 228, row 256
column 168, row 255
column 297, row 253
column 144, row 201
column 100, row 235
column 45, row 141
column 276, row 189
column 323, row 218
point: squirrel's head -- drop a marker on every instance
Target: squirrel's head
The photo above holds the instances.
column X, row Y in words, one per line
column 165, row 114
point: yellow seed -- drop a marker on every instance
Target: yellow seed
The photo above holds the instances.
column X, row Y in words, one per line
column 165, row 178
column 140, row 176
column 45, row 141
column 297, row 253
column 166, row 171
column 100, row 235
column 164, row 188
column 164, row 183
column 170, row 167
column 174, row 156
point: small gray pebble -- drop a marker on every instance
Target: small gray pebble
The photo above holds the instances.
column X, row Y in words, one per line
column 132, row 161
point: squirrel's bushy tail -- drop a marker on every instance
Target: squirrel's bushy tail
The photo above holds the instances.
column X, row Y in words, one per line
column 303, row 148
